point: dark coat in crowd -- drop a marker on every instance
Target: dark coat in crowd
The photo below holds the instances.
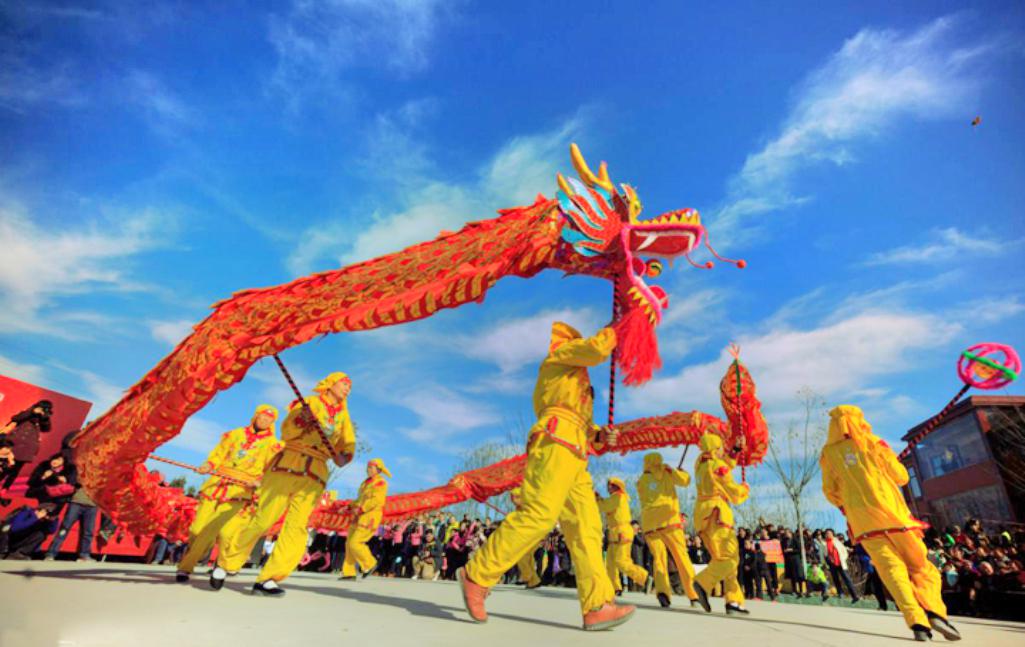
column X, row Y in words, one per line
column 28, row 426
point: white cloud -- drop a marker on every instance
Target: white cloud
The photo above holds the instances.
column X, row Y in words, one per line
column 162, row 109
column 875, row 78
column 947, row 244
column 992, row 309
column 31, row 373
column 199, row 435
column 97, row 389
column 26, row 85
column 837, row 359
column 690, row 321
column 170, row 332
column 317, row 42
column 39, row 265
column 444, row 414
column 523, row 167
column 276, row 390
column 516, row 343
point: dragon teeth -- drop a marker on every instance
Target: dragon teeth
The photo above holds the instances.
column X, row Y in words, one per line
column 648, row 240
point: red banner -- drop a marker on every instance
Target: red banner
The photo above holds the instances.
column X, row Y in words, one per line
column 772, row 550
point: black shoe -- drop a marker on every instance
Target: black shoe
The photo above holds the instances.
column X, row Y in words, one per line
column 942, row 625
column 535, row 585
column 347, row 577
column 663, row 600
column 181, row 578
column 702, row 597
column 694, row 603
column 373, row 569
column 922, row 634
column 269, row 588
column 732, row 608
column 619, row 593
column 217, row 578
column 855, row 600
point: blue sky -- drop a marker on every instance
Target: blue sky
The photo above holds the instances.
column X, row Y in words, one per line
column 158, row 158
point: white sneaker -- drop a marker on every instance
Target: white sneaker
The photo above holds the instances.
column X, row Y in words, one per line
column 217, row 578
column 269, row 588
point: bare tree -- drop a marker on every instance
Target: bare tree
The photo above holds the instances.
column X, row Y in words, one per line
column 794, row 455
column 476, row 458
column 1007, row 444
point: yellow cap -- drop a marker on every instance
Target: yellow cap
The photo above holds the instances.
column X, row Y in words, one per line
column 561, row 333
column 848, row 421
column 380, row 465
column 266, row 408
column 710, row 443
column 618, row 483
column 652, row 461
column 330, row 381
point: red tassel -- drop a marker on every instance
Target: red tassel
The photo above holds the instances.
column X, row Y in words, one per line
column 636, row 347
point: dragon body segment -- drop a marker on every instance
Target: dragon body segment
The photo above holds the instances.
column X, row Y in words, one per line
column 590, row 228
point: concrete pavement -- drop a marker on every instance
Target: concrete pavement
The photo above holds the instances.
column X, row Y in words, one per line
column 109, row 605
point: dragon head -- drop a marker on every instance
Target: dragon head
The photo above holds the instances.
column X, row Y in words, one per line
column 601, row 223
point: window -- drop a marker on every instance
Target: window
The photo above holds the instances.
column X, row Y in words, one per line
column 916, row 490
column 987, row 504
column 954, row 445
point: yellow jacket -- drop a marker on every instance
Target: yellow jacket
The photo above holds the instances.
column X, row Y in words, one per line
column 862, row 476
column 562, row 398
column 716, row 489
column 243, row 454
column 656, row 489
column 304, row 453
column 616, row 508
column 370, row 502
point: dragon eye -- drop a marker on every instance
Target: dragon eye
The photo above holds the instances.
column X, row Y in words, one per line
column 654, row 268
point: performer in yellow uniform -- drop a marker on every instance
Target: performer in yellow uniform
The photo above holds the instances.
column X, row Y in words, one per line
column 862, row 476
column 527, row 567
column 368, row 508
column 616, row 508
column 556, row 484
column 243, row 454
column 660, row 522
column 293, row 483
column 713, row 521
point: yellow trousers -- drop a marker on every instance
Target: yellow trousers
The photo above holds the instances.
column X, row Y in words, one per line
column 556, row 487
column 356, row 551
column 909, row 576
column 721, row 543
column 292, row 495
column 528, row 568
column 675, row 541
column 214, row 522
column 618, row 560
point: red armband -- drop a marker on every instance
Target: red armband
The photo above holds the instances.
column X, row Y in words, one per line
column 722, row 471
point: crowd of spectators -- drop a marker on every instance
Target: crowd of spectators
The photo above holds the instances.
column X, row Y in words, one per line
column 982, row 574
column 53, row 488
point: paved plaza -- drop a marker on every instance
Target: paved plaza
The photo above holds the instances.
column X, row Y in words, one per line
column 109, row 605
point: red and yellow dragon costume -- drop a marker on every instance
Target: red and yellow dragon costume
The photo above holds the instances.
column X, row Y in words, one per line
column 592, row 227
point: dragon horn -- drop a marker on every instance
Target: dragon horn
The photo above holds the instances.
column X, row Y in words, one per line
column 564, row 185
column 589, row 178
